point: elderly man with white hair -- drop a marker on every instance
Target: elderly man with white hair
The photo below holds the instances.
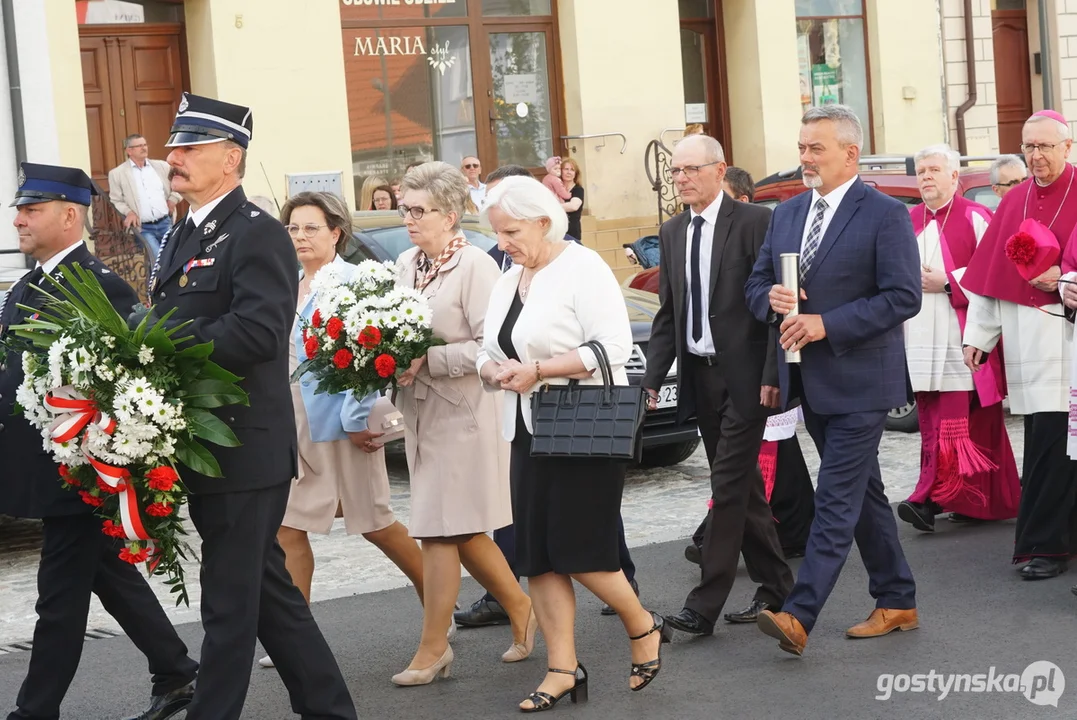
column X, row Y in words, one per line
column 1007, row 172
column 966, row 462
column 1012, row 285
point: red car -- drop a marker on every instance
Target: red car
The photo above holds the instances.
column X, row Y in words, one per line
column 898, row 184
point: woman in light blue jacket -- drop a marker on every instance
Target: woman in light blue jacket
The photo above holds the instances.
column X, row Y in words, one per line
column 341, row 464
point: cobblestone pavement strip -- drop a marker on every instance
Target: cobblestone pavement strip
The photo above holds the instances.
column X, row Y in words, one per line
column 659, row 505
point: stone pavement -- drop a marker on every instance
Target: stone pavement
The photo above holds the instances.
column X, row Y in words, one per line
column 659, row 505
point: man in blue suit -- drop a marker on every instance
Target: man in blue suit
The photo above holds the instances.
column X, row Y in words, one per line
column 860, row 280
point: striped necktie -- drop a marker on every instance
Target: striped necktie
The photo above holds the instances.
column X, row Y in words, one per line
column 815, row 236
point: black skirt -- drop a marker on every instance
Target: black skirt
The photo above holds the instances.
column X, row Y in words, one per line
column 566, row 511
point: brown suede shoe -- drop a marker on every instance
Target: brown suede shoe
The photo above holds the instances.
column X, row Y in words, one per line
column 786, row 629
column 883, row 622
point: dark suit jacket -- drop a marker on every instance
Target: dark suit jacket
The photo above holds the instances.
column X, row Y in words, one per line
column 865, row 282
column 29, row 480
column 743, row 343
column 245, row 303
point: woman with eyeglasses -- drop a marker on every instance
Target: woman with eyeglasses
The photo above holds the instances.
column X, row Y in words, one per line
column 341, row 465
column 383, row 198
column 458, row 462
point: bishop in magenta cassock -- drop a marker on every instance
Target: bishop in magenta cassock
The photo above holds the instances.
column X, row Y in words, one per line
column 1028, row 317
column 966, row 462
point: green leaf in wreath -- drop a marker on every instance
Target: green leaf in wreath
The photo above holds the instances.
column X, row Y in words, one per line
column 196, row 457
column 213, row 371
column 214, row 394
column 207, row 426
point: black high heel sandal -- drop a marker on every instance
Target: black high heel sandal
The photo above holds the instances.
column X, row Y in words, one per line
column 648, row 671
column 541, row 701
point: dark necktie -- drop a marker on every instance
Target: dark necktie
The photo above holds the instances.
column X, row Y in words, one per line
column 169, row 249
column 815, row 238
column 696, row 292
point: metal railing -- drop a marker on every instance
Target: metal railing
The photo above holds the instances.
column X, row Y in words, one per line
column 624, row 140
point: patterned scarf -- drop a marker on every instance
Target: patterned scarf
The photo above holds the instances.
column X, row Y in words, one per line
column 427, row 270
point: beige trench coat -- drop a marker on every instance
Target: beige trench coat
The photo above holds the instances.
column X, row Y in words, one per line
column 459, row 463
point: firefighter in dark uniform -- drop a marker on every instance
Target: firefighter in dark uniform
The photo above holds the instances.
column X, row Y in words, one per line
column 76, row 557
column 230, row 269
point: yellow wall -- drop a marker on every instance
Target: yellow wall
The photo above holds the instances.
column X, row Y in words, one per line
column 764, row 88
column 622, row 73
column 905, row 58
column 68, row 99
column 288, row 67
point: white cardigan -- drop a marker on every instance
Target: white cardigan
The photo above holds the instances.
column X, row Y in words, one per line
column 572, row 300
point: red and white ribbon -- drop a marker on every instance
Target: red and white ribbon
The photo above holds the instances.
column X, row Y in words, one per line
column 74, row 412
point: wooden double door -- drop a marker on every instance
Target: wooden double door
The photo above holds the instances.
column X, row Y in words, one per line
column 133, row 78
column 1013, row 77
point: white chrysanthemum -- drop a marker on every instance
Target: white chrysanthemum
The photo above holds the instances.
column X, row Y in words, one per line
column 389, row 318
column 68, row 453
column 330, row 276
column 150, row 402
column 56, row 360
column 109, row 341
column 421, row 318
column 405, row 334
column 145, row 355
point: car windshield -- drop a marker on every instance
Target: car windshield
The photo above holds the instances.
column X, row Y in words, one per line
column 395, row 240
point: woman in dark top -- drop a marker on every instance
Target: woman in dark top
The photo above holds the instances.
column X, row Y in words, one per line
column 570, row 176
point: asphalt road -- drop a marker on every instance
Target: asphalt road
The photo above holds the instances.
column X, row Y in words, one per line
column 976, row 614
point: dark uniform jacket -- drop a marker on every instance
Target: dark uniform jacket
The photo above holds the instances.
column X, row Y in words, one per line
column 241, row 294
column 30, row 484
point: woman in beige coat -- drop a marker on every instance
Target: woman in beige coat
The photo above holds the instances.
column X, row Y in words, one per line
column 458, row 462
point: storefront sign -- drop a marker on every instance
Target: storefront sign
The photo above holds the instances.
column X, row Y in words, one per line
column 375, row 3
column 521, row 88
column 695, row 113
column 390, row 46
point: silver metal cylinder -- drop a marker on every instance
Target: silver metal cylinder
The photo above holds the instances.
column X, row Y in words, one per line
column 791, row 280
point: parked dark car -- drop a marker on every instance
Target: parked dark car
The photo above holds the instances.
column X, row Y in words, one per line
column 665, row 441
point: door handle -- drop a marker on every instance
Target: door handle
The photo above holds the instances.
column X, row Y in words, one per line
column 123, row 113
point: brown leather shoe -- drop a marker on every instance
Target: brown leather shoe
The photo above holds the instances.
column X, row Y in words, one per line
column 786, row 629
column 883, row 622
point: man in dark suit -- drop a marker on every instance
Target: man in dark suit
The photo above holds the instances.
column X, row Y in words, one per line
column 859, row 270
column 77, row 559
column 727, row 376
column 231, row 269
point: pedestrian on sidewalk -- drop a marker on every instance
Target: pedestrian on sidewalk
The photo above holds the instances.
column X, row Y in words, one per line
column 341, row 463
column 967, row 467
column 860, row 281
column 77, row 559
column 459, row 466
column 557, row 296
column 141, row 191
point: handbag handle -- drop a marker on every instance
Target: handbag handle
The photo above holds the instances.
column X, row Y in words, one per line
column 604, row 366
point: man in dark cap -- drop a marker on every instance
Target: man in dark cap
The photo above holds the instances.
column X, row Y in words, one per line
column 230, row 269
column 76, row 557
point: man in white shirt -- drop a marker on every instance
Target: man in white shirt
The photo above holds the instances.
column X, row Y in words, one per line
column 140, row 190
column 727, row 378
column 472, row 168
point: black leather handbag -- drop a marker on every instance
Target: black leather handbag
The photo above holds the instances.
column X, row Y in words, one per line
column 588, row 421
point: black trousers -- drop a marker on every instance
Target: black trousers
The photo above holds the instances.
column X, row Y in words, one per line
column 1046, row 518
column 740, row 517
column 247, row 594
column 77, row 559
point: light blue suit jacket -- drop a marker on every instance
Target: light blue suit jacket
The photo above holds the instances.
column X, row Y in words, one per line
column 330, row 416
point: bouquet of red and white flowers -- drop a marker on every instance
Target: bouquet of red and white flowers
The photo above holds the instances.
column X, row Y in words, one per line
column 363, row 328
column 118, row 408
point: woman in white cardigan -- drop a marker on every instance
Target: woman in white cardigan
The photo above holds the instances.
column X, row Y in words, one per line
column 557, row 296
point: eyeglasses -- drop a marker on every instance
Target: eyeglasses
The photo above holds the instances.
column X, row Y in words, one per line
column 472, row 166
column 690, row 171
column 1044, row 148
column 309, row 231
column 136, row 147
column 416, row 212
column 1011, row 183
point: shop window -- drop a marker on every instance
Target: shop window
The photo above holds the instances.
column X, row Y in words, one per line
column 523, row 126
column 695, row 9
column 516, row 7
column 409, row 98
column 832, row 53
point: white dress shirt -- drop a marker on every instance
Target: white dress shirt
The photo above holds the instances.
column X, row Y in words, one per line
column 705, row 346
column 833, row 200
column 152, row 198
column 51, row 264
column 478, row 194
column 198, row 217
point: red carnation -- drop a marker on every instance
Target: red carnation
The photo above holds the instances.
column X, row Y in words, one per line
column 162, row 478
column 111, row 529
column 92, row 500
column 68, row 479
column 385, row 365
column 1021, row 248
column 343, row 358
column 159, row 510
column 369, row 337
column 334, row 327
column 316, row 319
column 106, row 488
column 310, row 347
column 134, row 557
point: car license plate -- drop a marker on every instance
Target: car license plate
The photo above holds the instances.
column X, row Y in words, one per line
column 667, row 396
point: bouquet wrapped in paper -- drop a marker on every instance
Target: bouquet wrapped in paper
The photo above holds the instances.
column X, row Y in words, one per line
column 363, row 329
column 119, row 409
